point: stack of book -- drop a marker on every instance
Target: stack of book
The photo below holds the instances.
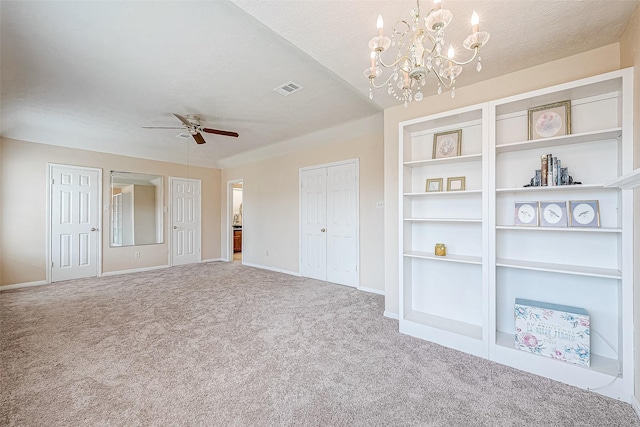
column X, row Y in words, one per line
column 551, row 172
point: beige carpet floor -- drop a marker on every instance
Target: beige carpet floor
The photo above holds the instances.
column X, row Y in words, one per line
column 221, row 344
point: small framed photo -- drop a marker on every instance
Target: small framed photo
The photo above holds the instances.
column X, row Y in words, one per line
column 455, row 183
column 526, row 213
column 447, row 144
column 584, row 213
column 550, row 120
column 434, row 184
column 553, row 214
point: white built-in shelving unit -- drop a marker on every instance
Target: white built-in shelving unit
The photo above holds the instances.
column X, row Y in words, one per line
column 465, row 300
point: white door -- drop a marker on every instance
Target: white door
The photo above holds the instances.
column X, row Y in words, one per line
column 342, row 225
column 75, row 216
column 313, row 256
column 329, row 223
column 185, row 221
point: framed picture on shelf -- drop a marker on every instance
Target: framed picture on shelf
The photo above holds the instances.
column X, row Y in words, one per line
column 584, row 213
column 455, row 183
column 447, row 144
column 550, row 120
column 553, row 214
column 526, row 213
column 434, row 185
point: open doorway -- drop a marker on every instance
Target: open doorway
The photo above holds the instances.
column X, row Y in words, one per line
column 235, row 220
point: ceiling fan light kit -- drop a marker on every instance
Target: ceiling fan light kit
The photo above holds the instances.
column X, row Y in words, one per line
column 193, row 125
column 419, row 47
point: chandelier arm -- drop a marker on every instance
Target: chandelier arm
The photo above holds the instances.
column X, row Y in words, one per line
column 476, row 51
column 397, row 61
column 386, row 82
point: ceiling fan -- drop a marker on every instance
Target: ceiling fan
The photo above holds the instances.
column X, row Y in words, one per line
column 193, row 125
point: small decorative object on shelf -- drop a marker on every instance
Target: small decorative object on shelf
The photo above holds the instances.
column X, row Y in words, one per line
column 455, row 183
column 441, row 249
column 526, row 213
column 584, row 213
column 434, row 185
column 447, row 144
column 557, row 331
column 553, row 214
column 551, row 173
column 550, row 120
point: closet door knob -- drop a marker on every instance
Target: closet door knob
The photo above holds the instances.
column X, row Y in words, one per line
column 323, row 230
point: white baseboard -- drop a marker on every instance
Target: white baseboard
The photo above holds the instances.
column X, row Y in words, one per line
column 23, row 285
column 391, row 315
column 135, row 270
column 213, row 260
column 371, row 290
column 277, row 270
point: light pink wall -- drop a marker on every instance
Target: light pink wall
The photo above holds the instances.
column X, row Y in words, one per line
column 271, row 202
column 23, row 190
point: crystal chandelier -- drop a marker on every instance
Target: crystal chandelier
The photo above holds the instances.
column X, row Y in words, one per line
column 420, row 46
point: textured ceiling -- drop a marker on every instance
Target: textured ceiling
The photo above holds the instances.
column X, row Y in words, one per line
column 91, row 74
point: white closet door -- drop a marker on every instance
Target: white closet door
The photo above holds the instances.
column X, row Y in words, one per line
column 185, row 218
column 75, row 213
column 313, row 245
column 329, row 223
column 342, row 225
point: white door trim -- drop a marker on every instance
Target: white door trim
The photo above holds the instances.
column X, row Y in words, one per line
column 170, row 239
column 229, row 222
column 356, row 161
column 50, row 167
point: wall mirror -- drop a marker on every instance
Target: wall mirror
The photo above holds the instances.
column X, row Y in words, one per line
column 136, row 209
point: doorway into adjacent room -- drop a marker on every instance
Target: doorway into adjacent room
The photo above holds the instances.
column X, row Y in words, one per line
column 235, row 214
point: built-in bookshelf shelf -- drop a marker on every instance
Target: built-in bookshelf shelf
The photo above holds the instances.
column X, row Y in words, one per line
column 554, row 188
column 444, row 193
column 458, row 220
column 561, row 229
column 450, row 325
column 607, row 273
column 445, row 161
column 466, row 302
column 576, row 138
column 600, row 364
column 465, row 259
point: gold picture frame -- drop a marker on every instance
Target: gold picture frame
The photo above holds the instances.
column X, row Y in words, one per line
column 456, row 183
column 447, row 144
column 547, row 121
column 434, row 185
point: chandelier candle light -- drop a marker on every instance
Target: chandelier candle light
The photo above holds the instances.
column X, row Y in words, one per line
column 419, row 52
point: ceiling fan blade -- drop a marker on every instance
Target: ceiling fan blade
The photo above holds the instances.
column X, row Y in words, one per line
column 162, row 127
column 220, row 132
column 199, row 139
column 184, row 120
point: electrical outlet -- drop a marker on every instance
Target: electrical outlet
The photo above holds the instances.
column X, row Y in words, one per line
column 137, row 254
column 380, row 204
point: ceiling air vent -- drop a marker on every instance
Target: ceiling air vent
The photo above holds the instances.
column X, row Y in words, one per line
column 288, row 88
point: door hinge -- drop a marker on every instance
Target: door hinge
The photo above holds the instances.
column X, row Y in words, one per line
column 51, row 264
column 53, row 181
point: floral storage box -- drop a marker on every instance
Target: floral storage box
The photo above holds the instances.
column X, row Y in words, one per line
column 557, row 331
